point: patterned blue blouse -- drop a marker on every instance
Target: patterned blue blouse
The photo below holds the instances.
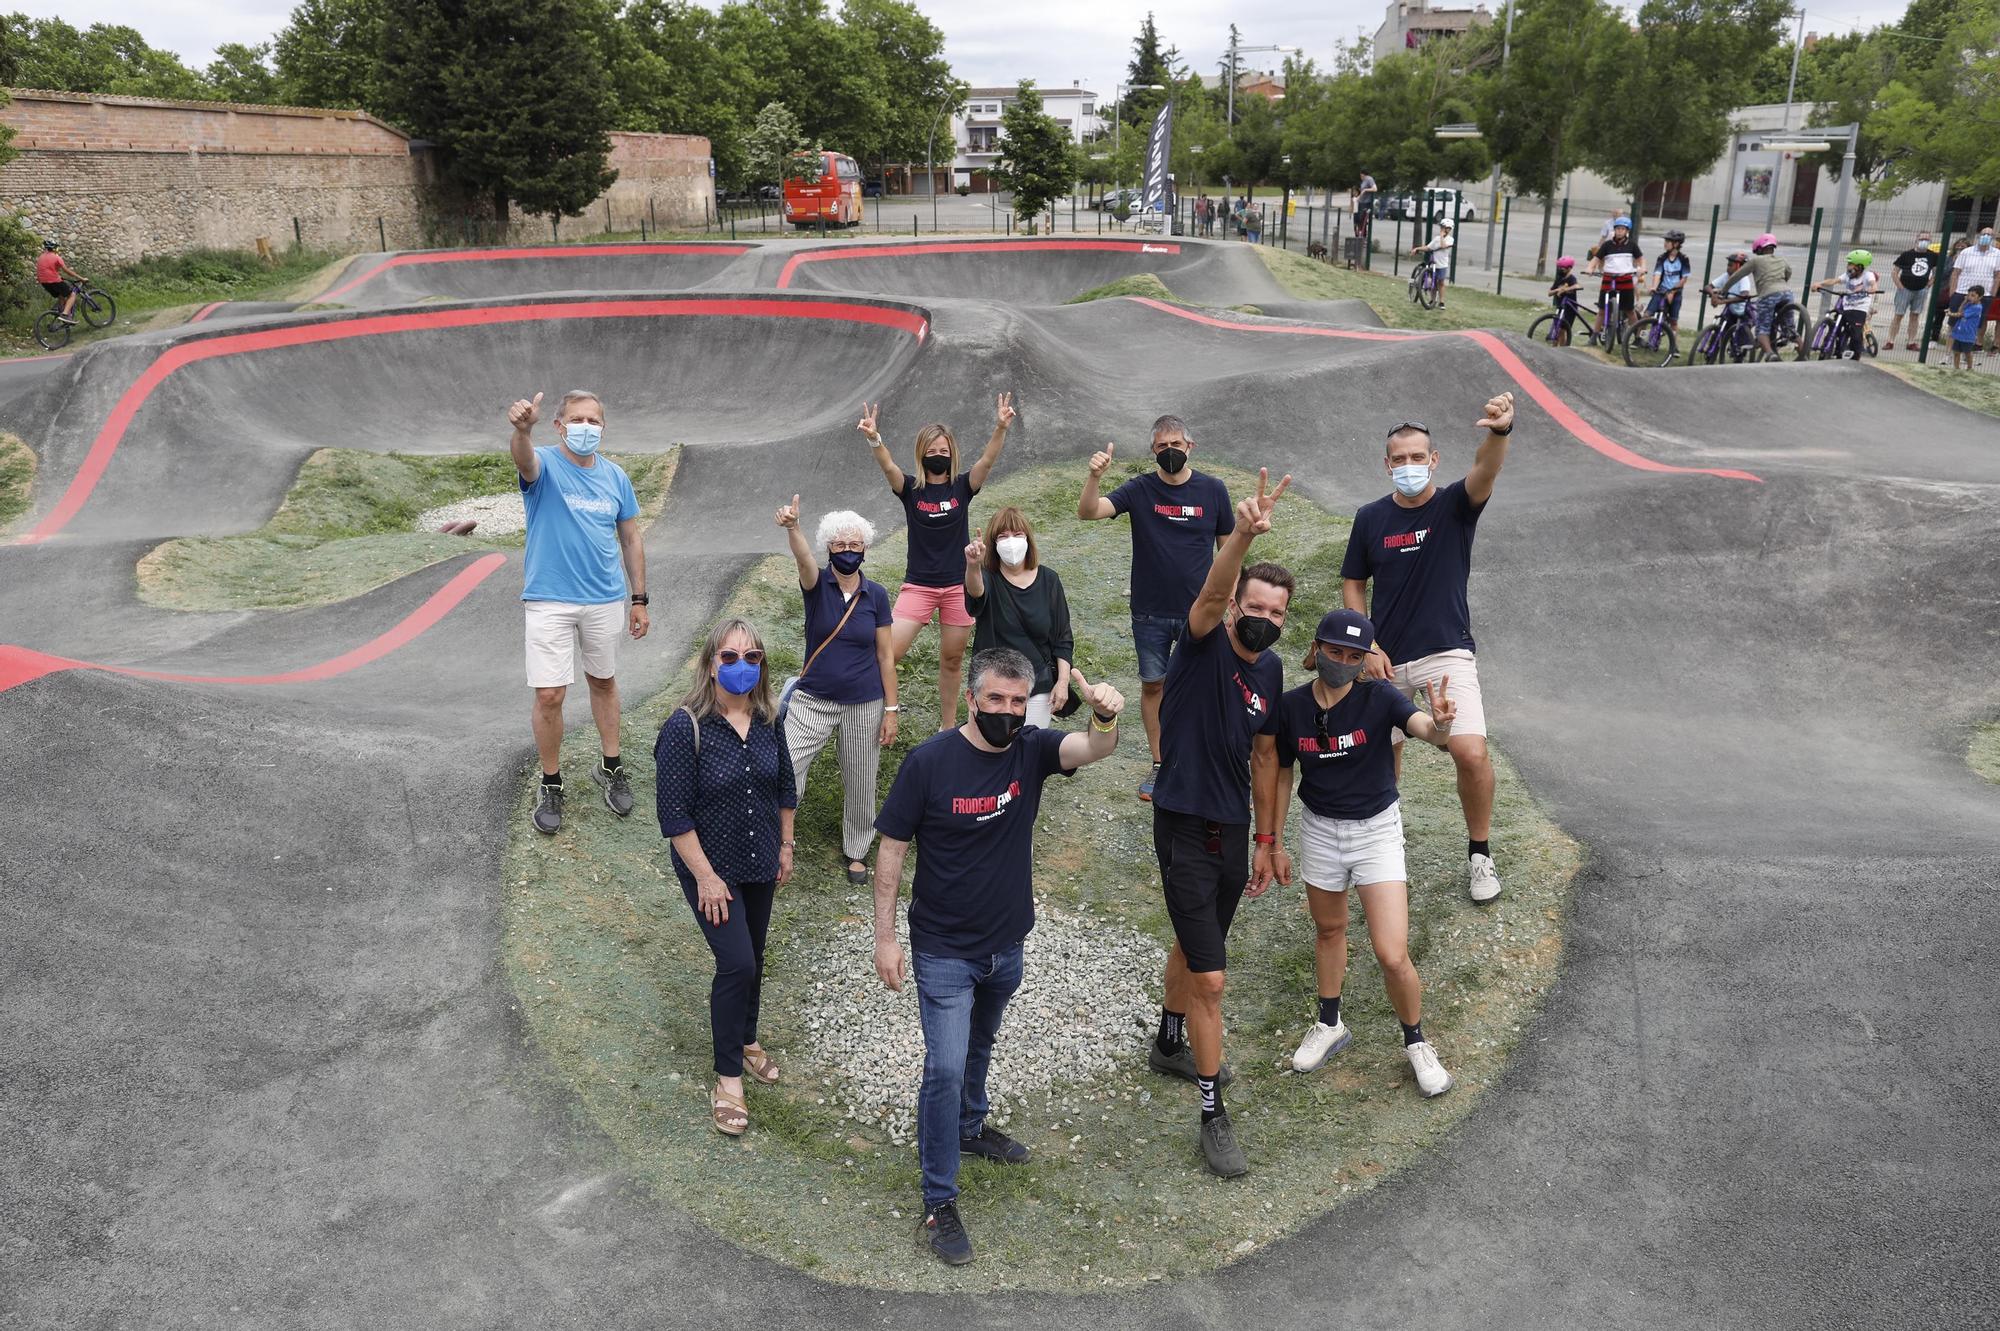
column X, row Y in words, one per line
column 729, row 795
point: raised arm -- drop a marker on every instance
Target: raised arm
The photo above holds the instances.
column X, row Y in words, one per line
column 1092, row 505
column 522, row 416
column 890, row 964
column 870, row 413
column 1003, row 418
column 1253, row 519
column 1498, row 422
column 975, row 570
column 802, row 554
column 1097, row 739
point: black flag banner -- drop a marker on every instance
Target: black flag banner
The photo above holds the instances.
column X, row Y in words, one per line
column 1159, row 145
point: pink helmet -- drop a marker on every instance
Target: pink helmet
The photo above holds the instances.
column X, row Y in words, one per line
column 1766, row 239
column 1565, row 262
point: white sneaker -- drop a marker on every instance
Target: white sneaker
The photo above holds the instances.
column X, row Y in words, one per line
column 1432, row 1079
column 1483, row 883
column 1321, row 1043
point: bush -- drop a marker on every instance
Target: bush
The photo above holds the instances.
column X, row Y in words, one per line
column 19, row 248
column 961, row 190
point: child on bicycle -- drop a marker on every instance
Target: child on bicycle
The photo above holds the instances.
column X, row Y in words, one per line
column 1670, row 277
column 1965, row 328
column 1437, row 255
column 1857, row 289
column 1735, row 296
column 1773, row 277
column 1622, row 265
column 1565, row 285
column 50, row 270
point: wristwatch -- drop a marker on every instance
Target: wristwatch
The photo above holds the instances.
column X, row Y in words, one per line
column 640, row 598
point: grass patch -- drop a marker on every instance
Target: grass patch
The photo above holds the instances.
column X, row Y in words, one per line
column 17, row 478
column 1983, row 755
column 1137, row 284
column 1968, row 388
column 613, row 976
column 1389, row 296
column 346, row 528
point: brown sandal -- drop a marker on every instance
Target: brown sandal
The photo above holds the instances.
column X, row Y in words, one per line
column 760, row 1065
column 731, row 1116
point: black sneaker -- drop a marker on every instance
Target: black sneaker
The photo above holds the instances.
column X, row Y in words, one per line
column 1180, row 1064
column 1218, row 1143
column 993, row 1144
column 617, row 788
column 548, row 810
column 945, row 1233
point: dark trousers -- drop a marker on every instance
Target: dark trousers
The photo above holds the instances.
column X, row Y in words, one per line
column 738, row 944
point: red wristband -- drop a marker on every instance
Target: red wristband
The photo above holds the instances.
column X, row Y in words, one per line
column 1267, row 838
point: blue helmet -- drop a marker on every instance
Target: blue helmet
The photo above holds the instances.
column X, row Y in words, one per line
column 1625, row 222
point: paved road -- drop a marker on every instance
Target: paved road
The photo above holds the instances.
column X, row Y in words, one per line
column 261, row 1064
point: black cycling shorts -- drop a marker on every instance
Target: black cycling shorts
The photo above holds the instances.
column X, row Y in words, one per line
column 1204, row 867
column 60, row 290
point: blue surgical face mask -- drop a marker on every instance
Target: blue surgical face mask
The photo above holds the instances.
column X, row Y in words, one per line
column 739, row 677
column 582, row 438
column 1986, row 242
column 1412, row 479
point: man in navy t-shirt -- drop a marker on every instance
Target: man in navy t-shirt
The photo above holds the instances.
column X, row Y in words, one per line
column 584, row 552
column 1179, row 517
column 1415, row 545
column 1217, row 717
column 968, row 798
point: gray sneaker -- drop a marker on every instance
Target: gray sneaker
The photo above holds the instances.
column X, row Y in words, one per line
column 1180, row 1064
column 1218, row 1143
column 617, row 788
column 548, row 810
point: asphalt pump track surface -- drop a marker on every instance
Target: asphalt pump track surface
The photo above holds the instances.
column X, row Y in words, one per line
column 262, row 1064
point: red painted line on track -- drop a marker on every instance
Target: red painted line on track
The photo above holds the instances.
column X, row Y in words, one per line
column 1503, row 355
column 968, row 247
column 22, row 360
column 532, row 252
column 19, row 665
column 205, row 311
column 112, row 433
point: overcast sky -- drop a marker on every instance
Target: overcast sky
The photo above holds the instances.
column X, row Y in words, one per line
column 1054, row 42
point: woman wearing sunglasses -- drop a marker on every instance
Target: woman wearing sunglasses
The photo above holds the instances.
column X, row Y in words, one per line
column 723, row 781
column 1335, row 730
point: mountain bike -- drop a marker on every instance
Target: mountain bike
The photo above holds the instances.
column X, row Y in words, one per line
column 1558, row 325
column 92, row 306
column 1650, row 342
column 1611, row 330
column 1728, row 338
column 1424, row 289
column 1788, row 329
column 1831, row 338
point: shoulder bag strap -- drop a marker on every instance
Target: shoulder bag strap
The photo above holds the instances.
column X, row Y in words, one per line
column 827, row 641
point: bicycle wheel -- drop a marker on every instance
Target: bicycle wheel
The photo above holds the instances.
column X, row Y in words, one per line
column 1707, row 348
column 51, row 331
column 96, row 308
column 1871, row 346
column 1651, row 345
column 1546, row 329
column 1428, row 293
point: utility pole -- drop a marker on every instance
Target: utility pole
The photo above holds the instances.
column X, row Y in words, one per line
column 1791, row 84
column 1493, row 207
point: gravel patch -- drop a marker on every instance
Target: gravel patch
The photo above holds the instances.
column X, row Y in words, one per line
column 1088, row 996
column 497, row 515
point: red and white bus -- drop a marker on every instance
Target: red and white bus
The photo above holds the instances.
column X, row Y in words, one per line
column 835, row 198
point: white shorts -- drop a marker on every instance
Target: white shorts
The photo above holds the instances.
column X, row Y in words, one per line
column 1040, row 710
column 1337, row 851
column 557, row 630
column 1463, row 667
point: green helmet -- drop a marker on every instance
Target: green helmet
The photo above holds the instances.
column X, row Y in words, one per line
column 1862, row 257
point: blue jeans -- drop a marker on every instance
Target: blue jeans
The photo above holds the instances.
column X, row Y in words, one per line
column 960, row 1002
column 1155, row 637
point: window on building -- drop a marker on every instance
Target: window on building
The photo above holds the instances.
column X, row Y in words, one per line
column 983, row 139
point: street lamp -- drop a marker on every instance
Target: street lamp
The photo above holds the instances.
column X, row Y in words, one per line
column 1791, row 85
column 1234, row 51
column 930, row 171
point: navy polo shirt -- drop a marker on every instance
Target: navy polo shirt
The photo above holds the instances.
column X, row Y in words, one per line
column 1174, row 530
column 846, row 672
column 1215, row 703
column 1420, row 560
column 1347, row 764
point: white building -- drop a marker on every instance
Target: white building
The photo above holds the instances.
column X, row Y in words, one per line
column 975, row 132
column 1408, row 24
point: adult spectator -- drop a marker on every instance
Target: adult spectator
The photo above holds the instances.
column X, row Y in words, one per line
column 1179, row 517
column 583, row 524
column 1914, row 268
column 1018, row 604
column 936, row 500
column 1218, row 718
column 50, row 270
column 1773, row 277
column 848, row 683
column 1978, row 265
column 1335, row 731
column 726, row 797
column 1415, row 546
column 968, row 799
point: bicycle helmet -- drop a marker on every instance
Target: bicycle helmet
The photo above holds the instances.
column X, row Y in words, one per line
column 1764, row 241
column 1862, row 257
column 1565, row 262
column 1677, row 236
column 48, row 244
column 1622, row 220
column 1739, row 257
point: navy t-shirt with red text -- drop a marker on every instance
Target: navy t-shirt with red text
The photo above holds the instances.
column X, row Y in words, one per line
column 939, row 530
column 972, row 817
column 1420, row 560
column 1174, row 530
column 1215, row 704
column 1347, row 765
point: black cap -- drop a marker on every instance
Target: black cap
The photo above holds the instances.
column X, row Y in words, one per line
column 1346, row 628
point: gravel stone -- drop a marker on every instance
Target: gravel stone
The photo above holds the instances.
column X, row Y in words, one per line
column 497, row 515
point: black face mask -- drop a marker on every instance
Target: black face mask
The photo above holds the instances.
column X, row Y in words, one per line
column 1256, row 633
column 1335, row 675
column 998, row 728
column 846, row 561
column 1171, row 460
column 936, row 464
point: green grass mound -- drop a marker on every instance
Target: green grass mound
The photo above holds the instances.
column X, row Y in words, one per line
column 1138, row 284
column 346, row 528
column 1979, row 392
column 17, row 478
column 1984, row 753
column 613, row 976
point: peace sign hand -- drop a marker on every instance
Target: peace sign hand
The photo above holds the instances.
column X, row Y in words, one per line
column 788, row 516
column 870, row 413
column 1003, row 411
column 1254, row 515
column 524, row 414
column 1100, row 461
column 1499, row 416
column 1443, row 709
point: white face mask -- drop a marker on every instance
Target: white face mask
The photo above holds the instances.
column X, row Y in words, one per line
column 1411, row 480
column 1013, row 550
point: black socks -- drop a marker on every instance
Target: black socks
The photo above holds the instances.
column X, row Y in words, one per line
column 1211, row 1098
column 1329, row 1011
column 613, row 764
column 1413, row 1034
column 1173, row 1031
column 552, row 779
column 1477, row 848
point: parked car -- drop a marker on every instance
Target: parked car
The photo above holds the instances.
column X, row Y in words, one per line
column 1439, row 201
column 871, row 189
column 1113, row 198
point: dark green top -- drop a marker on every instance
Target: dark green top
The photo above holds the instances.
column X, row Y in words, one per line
column 1033, row 620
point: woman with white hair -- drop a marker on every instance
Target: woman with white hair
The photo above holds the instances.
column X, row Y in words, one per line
column 848, row 682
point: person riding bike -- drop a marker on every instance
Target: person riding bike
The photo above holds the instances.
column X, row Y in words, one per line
column 1436, row 255
column 1565, row 286
column 1622, row 265
column 1773, row 277
column 1857, row 290
column 1670, row 277
column 50, row 270
column 1735, row 300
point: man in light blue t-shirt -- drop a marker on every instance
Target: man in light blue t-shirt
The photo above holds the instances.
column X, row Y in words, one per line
column 583, row 520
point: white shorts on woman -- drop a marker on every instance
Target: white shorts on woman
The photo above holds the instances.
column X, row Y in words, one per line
column 1335, row 852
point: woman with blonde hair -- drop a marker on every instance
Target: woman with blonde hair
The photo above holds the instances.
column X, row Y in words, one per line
column 935, row 499
column 726, row 800
column 1016, row 602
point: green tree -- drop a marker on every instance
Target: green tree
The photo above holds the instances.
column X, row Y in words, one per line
column 674, row 73
column 904, row 51
column 111, row 58
column 512, row 94
column 331, row 53
column 1038, row 161
column 1149, row 64
column 1941, row 119
column 777, row 149
column 242, row 74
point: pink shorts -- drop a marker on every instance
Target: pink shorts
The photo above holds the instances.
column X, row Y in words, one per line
column 915, row 605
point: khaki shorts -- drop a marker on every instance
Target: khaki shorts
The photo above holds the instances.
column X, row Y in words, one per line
column 1463, row 667
column 557, row 630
